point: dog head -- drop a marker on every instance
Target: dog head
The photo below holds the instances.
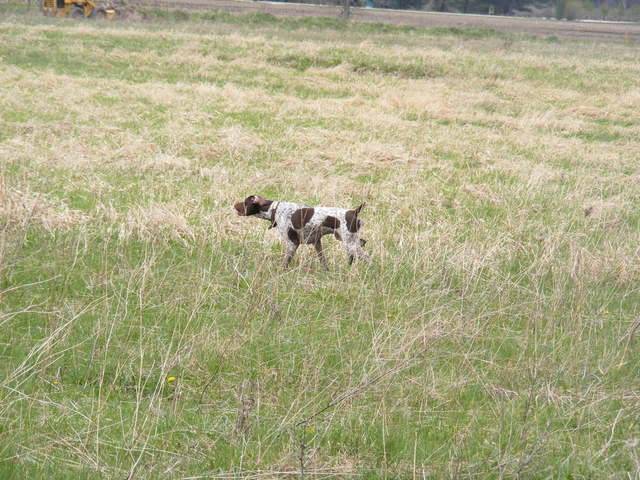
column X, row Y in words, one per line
column 252, row 205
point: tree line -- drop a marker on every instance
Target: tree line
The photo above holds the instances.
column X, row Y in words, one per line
column 561, row 9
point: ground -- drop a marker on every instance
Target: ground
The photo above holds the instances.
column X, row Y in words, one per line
column 149, row 332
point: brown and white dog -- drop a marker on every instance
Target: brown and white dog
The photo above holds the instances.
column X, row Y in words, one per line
column 298, row 224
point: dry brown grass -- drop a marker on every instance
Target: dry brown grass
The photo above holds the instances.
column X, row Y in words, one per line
column 156, row 221
column 21, row 209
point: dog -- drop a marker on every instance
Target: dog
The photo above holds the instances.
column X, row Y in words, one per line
column 300, row 224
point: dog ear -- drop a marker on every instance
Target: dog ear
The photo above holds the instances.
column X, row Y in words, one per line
column 359, row 208
column 251, row 206
column 263, row 203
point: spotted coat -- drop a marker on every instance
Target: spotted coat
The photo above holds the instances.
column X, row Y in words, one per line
column 299, row 224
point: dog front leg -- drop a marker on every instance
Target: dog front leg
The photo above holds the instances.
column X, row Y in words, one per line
column 289, row 253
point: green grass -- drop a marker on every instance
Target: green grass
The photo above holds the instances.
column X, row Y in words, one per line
column 148, row 332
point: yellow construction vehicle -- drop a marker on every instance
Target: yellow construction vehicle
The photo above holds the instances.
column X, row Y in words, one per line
column 77, row 9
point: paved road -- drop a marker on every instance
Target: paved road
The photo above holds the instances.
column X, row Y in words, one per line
column 535, row 26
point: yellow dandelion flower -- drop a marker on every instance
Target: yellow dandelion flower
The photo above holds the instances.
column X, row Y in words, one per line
column 171, row 379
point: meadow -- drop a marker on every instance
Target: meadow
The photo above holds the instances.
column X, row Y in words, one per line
column 149, row 332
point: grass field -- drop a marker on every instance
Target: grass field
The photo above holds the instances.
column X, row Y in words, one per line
column 148, row 332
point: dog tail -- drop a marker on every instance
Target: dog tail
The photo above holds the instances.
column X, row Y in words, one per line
column 353, row 222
